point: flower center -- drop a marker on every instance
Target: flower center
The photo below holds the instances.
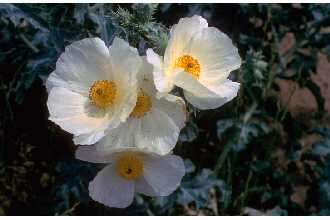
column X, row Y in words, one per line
column 130, row 166
column 142, row 106
column 189, row 64
column 103, row 93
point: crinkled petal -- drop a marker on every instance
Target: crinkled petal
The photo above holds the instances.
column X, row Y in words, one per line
column 162, row 173
column 174, row 107
column 162, row 82
column 198, row 94
column 187, row 82
column 227, row 89
column 89, row 138
column 180, row 36
column 83, row 62
column 125, row 62
column 126, row 100
column 122, row 136
column 216, row 54
column 69, row 111
column 157, row 132
column 145, row 78
column 211, row 101
column 54, row 80
column 100, row 154
column 93, row 154
column 110, row 189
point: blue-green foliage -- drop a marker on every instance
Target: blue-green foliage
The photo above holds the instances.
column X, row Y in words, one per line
column 189, row 132
column 72, row 185
column 241, row 132
column 322, row 148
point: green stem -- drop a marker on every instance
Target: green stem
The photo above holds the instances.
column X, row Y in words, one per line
column 222, row 158
column 246, row 189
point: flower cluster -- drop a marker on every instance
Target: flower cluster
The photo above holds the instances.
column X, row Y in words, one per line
column 118, row 105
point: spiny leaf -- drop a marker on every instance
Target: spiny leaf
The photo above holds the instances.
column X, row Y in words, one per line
column 189, row 132
column 242, row 133
column 18, row 12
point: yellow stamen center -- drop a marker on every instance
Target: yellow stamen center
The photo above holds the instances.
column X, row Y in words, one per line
column 103, row 93
column 142, row 106
column 189, row 64
column 130, row 166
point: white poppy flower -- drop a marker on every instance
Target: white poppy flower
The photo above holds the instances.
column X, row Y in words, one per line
column 131, row 170
column 198, row 59
column 93, row 88
column 154, row 123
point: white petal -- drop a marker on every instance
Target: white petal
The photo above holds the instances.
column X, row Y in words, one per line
column 125, row 103
column 145, row 78
column 158, row 133
column 216, row 54
column 189, row 83
column 162, row 82
column 68, row 110
column 92, row 154
column 155, row 132
column 114, row 153
column 181, row 35
column 162, row 173
column 189, row 26
column 174, row 107
column 142, row 186
column 54, row 80
column 89, row 138
column 125, row 62
column 110, row 189
column 228, row 89
column 198, row 94
column 204, row 102
column 101, row 154
column 122, row 136
column 84, row 62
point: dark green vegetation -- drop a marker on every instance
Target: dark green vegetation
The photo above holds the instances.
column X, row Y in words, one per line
column 266, row 152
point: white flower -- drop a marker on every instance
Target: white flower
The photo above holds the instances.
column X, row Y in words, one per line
column 154, row 123
column 198, row 59
column 93, row 88
column 131, row 170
